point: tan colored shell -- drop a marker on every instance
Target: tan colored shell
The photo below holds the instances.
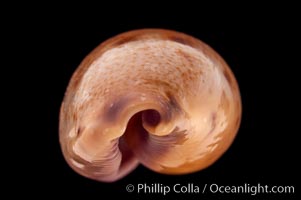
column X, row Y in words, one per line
column 156, row 97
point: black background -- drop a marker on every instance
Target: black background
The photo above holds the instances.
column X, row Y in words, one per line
column 259, row 48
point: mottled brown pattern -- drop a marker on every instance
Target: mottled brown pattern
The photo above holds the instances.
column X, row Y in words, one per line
column 213, row 122
column 114, row 108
